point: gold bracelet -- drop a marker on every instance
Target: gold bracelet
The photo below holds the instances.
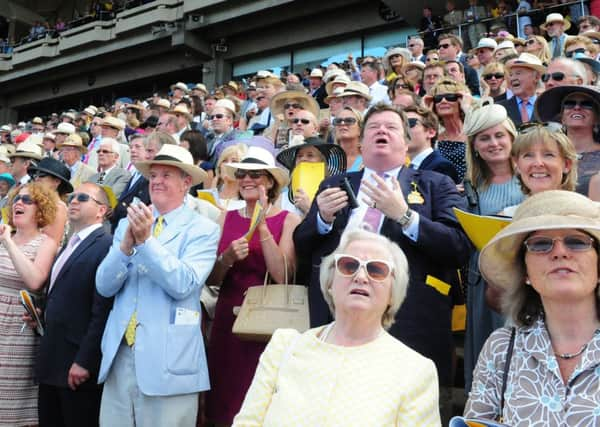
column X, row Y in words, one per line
column 266, row 238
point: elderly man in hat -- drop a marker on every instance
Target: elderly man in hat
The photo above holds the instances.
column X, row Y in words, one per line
column 183, row 118
column 111, row 127
column 356, row 95
column 153, row 360
column 524, row 74
column 317, row 86
column 37, row 126
column 485, row 52
column 221, row 128
column 27, row 154
column 91, row 158
column 179, row 90
column 555, row 26
column 109, row 171
column 62, row 131
column 71, row 151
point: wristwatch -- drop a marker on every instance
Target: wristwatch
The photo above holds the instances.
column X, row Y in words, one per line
column 405, row 219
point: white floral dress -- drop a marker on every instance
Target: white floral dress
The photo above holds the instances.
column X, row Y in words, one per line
column 535, row 394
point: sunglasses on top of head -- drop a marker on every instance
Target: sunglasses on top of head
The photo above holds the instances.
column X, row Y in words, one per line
column 377, row 270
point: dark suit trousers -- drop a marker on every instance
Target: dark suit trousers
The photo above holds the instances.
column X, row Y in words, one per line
column 63, row 407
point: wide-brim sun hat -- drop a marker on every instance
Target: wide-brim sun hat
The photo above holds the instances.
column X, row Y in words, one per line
column 65, row 128
column 73, row 141
column 258, row 158
column 500, row 260
column 57, row 169
column 356, row 89
column 342, row 80
column 181, row 109
column 308, row 102
column 335, row 157
column 113, row 122
column 402, row 51
column 548, row 105
column 176, row 156
column 28, row 150
column 555, row 17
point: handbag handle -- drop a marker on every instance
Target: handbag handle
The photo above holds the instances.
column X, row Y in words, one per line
column 285, row 276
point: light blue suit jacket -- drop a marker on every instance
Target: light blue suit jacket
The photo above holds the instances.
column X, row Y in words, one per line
column 165, row 273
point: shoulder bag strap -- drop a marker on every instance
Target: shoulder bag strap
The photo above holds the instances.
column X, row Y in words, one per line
column 509, row 352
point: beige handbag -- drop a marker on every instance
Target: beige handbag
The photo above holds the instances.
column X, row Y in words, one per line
column 269, row 307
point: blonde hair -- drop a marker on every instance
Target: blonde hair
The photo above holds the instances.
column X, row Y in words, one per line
column 400, row 274
column 544, row 53
column 544, row 136
column 239, row 149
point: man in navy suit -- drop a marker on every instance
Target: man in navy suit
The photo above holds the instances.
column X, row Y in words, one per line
column 422, row 126
column 415, row 211
column 69, row 354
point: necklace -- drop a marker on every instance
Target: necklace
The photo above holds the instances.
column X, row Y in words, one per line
column 568, row 356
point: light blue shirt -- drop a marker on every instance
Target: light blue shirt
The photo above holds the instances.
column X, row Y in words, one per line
column 530, row 103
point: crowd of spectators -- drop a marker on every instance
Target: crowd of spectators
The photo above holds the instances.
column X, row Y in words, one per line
column 130, row 224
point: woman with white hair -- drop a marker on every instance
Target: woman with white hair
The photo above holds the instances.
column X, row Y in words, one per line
column 351, row 371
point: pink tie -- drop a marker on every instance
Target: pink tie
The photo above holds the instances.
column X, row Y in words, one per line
column 524, row 112
column 62, row 259
column 372, row 217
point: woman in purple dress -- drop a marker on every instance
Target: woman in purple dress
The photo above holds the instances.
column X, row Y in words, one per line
column 241, row 264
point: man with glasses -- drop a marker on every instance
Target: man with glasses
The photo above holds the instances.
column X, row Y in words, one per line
column 305, row 124
column 109, row 173
column 75, row 314
column 450, row 49
column 423, row 126
column 111, row 127
column 412, row 208
column 564, row 72
column 555, row 26
column 524, row 74
column 221, row 128
column 416, row 46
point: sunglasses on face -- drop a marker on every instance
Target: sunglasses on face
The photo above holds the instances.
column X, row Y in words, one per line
column 377, row 270
column 558, row 76
column 570, row 53
column 81, row 198
column 303, row 121
column 412, row 122
column 572, row 103
column 25, row 198
column 339, row 121
column 292, row 105
column 260, row 98
column 411, row 45
column 400, row 86
column 544, row 245
column 101, row 151
column 444, row 46
column 216, row 116
column 254, row 174
column 491, row 76
column 530, row 42
column 450, row 97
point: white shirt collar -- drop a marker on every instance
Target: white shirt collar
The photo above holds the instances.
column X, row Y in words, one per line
column 418, row 159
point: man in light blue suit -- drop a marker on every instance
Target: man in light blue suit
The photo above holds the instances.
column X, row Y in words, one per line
column 153, row 359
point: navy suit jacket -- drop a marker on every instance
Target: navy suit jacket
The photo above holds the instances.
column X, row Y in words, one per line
column 75, row 315
column 438, row 163
column 424, row 320
column 139, row 190
column 512, row 109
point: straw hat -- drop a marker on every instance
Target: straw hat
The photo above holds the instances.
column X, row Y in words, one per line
column 342, row 80
column 181, row 86
column 181, row 109
column 527, row 60
column 308, row 102
column 486, row 43
column 336, row 94
column 258, row 158
column 74, row 141
column 356, row 89
column 164, row 103
column 555, row 17
column 37, row 121
column 29, row 150
column 49, row 135
column 332, row 74
column 549, row 210
column 57, row 169
column 201, row 87
column 66, row 128
column 4, row 155
column 548, row 105
column 113, row 122
column 405, row 53
column 174, row 155
column 227, row 104
column 316, row 73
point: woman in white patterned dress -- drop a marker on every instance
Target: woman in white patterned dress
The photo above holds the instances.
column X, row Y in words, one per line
column 26, row 257
column 546, row 261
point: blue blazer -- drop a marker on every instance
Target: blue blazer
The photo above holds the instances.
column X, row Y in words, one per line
column 164, row 274
column 75, row 315
column 438, row 163
column 424, row 320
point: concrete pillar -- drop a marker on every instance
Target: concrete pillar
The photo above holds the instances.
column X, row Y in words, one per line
column 216, row 72
column 7, row 114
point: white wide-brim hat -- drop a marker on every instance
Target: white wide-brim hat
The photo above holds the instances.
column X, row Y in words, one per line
column 174, row 155
column 257, row 158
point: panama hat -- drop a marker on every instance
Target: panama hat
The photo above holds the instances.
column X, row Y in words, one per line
column 113, row 122
column 308, row 102
column 316, row 73
column 486, row 43
column 74, row 140
column 527, row 60
column 29, row 150
column 164, row 103
column 174, row 155
column 181, row 86
column 555, row 17
column 201, row 87
column 65, row 128
column 37, row 121
column 342, row 80
column 548, row 105
column 335, row 94
column 258, row 158
column 500, row 262
column 181, row 109
column 227, row 104
column 335, row 157
column 333, row 74
column 57, row 169
column 356, row 89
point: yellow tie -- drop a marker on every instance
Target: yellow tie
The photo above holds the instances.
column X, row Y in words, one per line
column 130, row 331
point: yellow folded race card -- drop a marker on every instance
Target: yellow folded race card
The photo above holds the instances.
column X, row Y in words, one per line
column 5, row 215
column 480, row 228
column 208, row 195
column 308, row 176
column 257, row 216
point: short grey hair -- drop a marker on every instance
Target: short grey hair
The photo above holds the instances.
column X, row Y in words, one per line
column 576, row 67
column 400, row 275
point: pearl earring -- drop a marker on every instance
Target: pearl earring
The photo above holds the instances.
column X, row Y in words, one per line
column 528, row 282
